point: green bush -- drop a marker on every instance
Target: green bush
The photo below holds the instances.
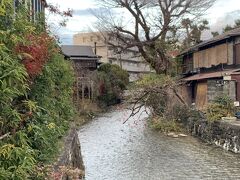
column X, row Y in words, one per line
column 34, row 112
column 222, row 106
column 52, row 91
column 181, row 112
column 165, row 125
column 35, row 115
column 111, row 80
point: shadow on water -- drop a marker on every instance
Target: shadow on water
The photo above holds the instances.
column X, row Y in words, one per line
column 116, row 151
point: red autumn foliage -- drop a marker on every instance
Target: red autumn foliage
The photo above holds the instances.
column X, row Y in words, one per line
column 34, row 53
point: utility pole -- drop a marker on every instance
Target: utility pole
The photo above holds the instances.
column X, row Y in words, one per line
column 95, row 48
column 119, row 51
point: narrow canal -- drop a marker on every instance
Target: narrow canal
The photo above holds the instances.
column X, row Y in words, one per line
column 116, row 151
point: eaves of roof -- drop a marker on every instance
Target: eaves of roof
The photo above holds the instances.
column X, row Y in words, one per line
column 84, row 58
column 227, row 35
column 210, row 75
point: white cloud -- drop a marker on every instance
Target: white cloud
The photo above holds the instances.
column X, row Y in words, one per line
column 220, row 8
column 76, row 23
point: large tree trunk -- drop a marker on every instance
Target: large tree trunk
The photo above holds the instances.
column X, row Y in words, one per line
column 157, row 59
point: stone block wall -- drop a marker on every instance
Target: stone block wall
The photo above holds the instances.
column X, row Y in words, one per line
column 71, row 158
column 229, row 88
column 215, row 89
column 225, row 134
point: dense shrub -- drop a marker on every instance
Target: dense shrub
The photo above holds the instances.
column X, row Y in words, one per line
column 52, row 91
column 164, row 125
column 111, row 80
column 181, row 112
column 222, row 106
column 35, row 103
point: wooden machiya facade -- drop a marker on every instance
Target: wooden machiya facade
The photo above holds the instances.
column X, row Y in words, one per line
column 212, row 68
column 85, row 62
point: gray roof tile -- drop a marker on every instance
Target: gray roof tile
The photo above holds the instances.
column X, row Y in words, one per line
column 77, row 50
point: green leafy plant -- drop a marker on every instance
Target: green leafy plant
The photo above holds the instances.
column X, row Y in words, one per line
column 222, row 106
column 35, row 104
column 4, row 6
column 111, row 81
column 164, row 125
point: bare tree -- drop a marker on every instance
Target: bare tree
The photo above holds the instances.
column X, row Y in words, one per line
column 148, row 24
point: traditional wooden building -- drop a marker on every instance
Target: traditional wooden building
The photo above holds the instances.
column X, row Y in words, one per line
column 84, row 63
column 212, row 68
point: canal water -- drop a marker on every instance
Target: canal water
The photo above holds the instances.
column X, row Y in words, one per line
column 115, row 151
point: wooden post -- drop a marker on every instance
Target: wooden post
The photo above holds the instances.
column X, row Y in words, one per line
column 91, row 89
column 77, row 94
column 83, row 85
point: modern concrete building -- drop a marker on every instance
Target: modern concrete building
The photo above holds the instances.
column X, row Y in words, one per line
column 129, row 60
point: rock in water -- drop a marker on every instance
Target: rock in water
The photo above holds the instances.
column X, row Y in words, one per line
column 182, row 135
column 171, row 134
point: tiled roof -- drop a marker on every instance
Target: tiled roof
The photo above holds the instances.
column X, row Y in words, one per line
column 77, row 51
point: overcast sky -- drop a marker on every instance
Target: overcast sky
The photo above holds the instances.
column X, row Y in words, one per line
column 223, row 12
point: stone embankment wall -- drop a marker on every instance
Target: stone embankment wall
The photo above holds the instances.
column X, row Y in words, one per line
column 225, row 134
column 70, row 162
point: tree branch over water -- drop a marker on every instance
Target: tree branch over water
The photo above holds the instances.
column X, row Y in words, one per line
column 159, row 93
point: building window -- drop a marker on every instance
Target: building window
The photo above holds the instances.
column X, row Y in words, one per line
column 32, row 3
column 42, row 6
column 99, row 38
column 91, row 38
column 39, row 6
column 36, row 6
